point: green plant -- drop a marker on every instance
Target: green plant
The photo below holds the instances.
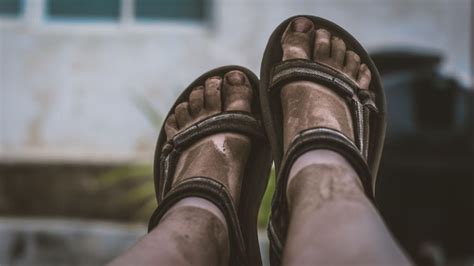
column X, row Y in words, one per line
column 265, row 207
column 140, row 190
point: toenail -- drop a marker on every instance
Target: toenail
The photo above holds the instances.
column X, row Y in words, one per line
column 215, row 78
column 235, row 78
column 301, row 25
column 322, row 31
column 213, row 81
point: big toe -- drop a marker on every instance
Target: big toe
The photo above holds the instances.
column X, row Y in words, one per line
column 237, row 92
column 297, row 38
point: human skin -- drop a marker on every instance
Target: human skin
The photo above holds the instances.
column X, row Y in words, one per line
column 332, row 222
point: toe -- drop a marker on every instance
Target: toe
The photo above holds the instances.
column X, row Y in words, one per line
column 364, row 77
column 212, row 94
column 322, row 46
column 196, row 101
column 352, row 64
column 171, row 127
column 181, row 113
column 338, row 52
column 237, row 92
column 296, row 41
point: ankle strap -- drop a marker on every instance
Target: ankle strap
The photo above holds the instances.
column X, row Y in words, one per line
column 215, row 192
column 307, row 140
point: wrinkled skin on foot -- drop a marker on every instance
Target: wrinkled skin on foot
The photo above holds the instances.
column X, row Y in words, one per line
column 307, row 104
column 220, row 156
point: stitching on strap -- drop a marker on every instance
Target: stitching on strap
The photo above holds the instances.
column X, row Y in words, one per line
column 301, row 69
column 369, row 111
column 358, row 124
column 223, row 122
column 366, row 129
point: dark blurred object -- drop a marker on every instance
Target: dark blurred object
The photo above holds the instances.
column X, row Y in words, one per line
column 425, row 189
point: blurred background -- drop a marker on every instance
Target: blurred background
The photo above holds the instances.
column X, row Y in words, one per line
column 84, row 85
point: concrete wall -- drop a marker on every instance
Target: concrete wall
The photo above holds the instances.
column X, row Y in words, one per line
column 72, row 91
column 57, row 242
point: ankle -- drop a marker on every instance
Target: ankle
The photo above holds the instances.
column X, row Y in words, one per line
column 199, row 203
column 324, row 157
column 322, row 175
column 199, row 231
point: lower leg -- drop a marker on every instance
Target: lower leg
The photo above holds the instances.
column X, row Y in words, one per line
column 192, row 232
column 331, row 219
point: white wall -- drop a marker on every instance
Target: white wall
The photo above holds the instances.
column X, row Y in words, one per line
column 68, row 91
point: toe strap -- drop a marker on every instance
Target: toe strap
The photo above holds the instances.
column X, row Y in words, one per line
column 236, row 122
column 215, row 192
column 301, row 69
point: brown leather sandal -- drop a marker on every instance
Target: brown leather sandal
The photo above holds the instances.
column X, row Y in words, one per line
column 242, row 223
column 368, row 111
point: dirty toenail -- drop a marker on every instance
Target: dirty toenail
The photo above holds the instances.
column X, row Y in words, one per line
column 215, row 78
column 235, row 78
column 212, row 81
column 198, row 88
column 301, row 25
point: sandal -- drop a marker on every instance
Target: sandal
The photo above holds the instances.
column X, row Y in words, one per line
column 368, row 109
column 244, row 248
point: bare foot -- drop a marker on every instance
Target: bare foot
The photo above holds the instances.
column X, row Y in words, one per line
column 220, row 156
column 194, row 231
column 307, row 104
column 324, row 193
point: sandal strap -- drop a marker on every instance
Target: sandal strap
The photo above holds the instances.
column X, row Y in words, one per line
column 306, row 140
column 215, row 192
column 302, row 69
column 236, row 122
column 205, row 187
column 362, row 102
column 327, row 138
